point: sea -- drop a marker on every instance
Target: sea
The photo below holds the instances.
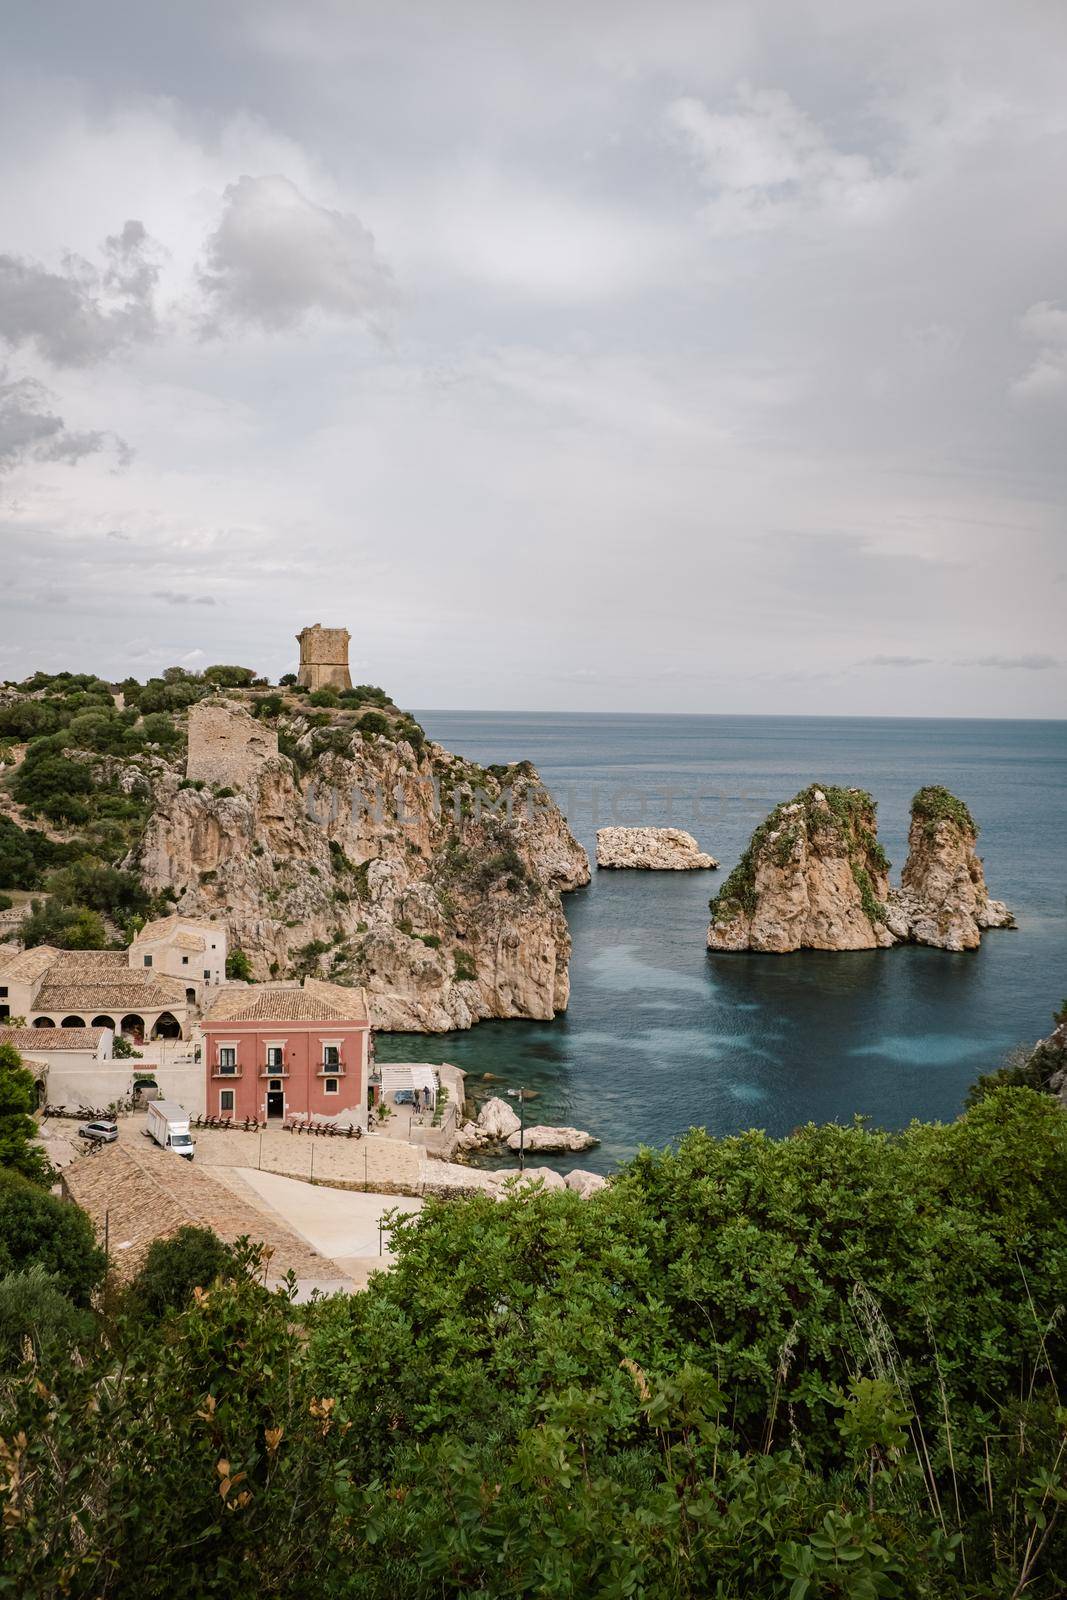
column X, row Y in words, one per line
column 662, row 1035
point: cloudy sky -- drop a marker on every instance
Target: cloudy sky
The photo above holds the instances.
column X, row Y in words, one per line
column 696, row 356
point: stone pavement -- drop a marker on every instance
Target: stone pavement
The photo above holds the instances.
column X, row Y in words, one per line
column 374, row 1163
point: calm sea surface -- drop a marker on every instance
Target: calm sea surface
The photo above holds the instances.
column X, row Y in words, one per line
column 660, row 1035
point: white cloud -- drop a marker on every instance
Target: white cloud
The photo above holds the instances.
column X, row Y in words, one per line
column 276, row 256
column 29, row 431
column 768, row 164
column 1044, row 324
column 81, row 315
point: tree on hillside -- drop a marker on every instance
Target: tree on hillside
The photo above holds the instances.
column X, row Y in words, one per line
column 18, row 1100
column 238, row 966
column 229, row 677
column 68, row 926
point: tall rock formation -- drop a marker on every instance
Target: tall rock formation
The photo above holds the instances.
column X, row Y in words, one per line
column 814, row 877
column 363, row 852
column 943, row 899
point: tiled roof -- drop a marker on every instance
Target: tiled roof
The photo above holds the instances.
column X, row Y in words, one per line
column 91, row 964
column 315, row 1002
column 162, row 927
column 26, row 965
column 141, row 1193
column 108, row 995
column 52, row 1038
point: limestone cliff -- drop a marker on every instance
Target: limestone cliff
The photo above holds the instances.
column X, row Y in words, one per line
column 371, row 856
column 650, row 849
column 943, row 899
column 814, row 877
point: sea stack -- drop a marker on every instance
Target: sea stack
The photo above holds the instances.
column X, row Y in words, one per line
column 943, row 899
column 650, row 850
column 814, row 877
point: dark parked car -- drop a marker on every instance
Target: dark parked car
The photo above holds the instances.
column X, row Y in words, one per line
column 99, row 1132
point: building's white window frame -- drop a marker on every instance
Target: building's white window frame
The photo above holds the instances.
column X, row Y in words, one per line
column 332, row 1086
column 327, row 1046
column 232, row 1107
column 275, row 1044
column 226, row 1046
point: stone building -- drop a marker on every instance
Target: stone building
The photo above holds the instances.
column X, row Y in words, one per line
column 63, row 989
column 324, row 657
column 184, row 948
column 273, row 1051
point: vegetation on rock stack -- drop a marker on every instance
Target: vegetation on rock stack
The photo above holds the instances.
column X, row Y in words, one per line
column 824, row 1366
column 936, row 804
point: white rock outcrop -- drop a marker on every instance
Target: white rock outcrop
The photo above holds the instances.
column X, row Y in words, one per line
column 585, row 1183
column 549, row 1140
column 496, row 1120
column 650, row 850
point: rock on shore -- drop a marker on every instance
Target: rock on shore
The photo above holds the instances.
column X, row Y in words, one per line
column 650, row 849
column 814, row 877
column 546, row 1139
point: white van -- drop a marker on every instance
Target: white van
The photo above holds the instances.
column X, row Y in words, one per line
column 168, row 1125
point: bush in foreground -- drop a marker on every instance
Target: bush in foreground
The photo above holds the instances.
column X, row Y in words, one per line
column 819, row 1366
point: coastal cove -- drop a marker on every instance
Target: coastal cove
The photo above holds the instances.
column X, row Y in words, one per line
column 661, row 1035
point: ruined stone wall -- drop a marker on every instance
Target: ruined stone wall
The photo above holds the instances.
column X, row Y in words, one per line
column 324, row 657
column 227, row 746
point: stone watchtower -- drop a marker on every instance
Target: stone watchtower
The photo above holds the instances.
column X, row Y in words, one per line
column 324, row 657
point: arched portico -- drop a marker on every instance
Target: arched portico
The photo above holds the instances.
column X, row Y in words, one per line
column 73, row 1022
column 133, row 1027
column 103, row 1022
column 43, row 1022
column 167, row 1026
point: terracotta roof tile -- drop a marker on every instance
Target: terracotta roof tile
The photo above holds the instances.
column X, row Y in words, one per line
column 52, row 1038
column 315, row 1002
column 29, row 964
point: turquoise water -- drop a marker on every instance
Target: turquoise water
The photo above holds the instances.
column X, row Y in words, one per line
column 660, row 1035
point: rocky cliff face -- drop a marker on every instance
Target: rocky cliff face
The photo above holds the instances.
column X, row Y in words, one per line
column 943, row 899
column 814, row 877
column 373, row 859
column 651, row 849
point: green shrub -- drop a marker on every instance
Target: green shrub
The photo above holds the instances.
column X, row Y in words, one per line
column 6, row 902
column 238, row 966
column 465, row 968
column 325, row 697
column 229, row 677
column 58, row 922
column 18, row 1129
column 373, row 722
column 36, row 1227
column 35, row 1313
column 191, row 1258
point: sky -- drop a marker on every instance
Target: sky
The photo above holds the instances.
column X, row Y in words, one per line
column 702, row 356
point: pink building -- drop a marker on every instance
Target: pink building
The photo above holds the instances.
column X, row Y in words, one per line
column 272, row 1052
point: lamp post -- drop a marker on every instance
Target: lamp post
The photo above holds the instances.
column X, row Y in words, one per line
column 520, row 1096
